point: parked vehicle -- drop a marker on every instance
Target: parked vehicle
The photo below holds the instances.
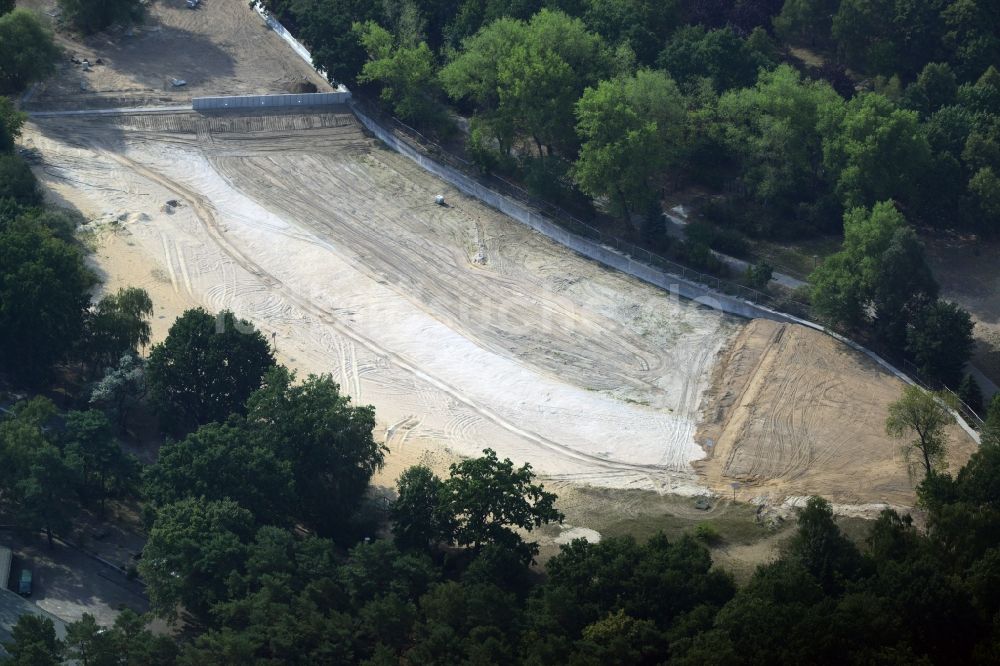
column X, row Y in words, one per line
column 24, row 586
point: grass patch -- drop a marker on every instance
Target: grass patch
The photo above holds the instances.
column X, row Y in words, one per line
column 642, row 514
column 797, row 259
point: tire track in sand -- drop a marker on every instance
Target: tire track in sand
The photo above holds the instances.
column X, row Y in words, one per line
column 203, row 211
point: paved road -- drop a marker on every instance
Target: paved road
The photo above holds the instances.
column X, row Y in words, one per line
column 675, row 228
column 68, row 583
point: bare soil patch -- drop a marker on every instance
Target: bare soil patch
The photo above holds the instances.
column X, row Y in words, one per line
column 794, row 412
column 462, row 327
column 220, row 48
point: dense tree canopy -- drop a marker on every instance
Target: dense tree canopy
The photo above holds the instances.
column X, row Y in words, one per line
column 524, row 78
column 193, row 545
column 772, row 129
column 95, row 15
column 629, row 127
column 878, row 253
column 219, row 462
column 206, row 368
column 405, row 72
column 27, row 52
column 44, row 295
column 327, row 441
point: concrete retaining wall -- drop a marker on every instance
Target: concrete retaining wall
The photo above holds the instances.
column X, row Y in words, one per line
column 675, row 284
column 584, row 246
column 269, row 101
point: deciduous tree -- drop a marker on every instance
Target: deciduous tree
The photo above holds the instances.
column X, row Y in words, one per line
column 327, row 441
column 95, row 15
column 194, row 546
column 490, row 499
column 102, row 468
column 940, row 342
column 206, row 368
column 119, row 324
column 44, row 293
column 629, row 128
column 416, row 513
column 921, row 414
column 406, row 73
column 27, row 52
column 224, row 461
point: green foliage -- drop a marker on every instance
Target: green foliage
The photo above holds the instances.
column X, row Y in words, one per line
column 638, row 23
column 991, row 426
column 806, row 22
column 94, row 15
column 940, row 342
column 119, row 325
column 984, row 187
column 885, row 36
column 206, row 368
column 34, row 642
column 121, row 389
column 11, row 122
column 325, row 26
column 873, row 151
column 921, row 414
column 194, row 546
column 224, row 462
column 629, row 127
column 772, row 130
column 27, row 52
column 936, row 87
column 719, row 55
column 406, row 74
column 17, row 183
column 707, row 534
column 970, row 393
column 101, row 467
column 822, row 549
column 375, row 570
column 126, row 643
column 657, row 582
column 327, row 441
column 416, row 513
column 759, row 275
column 970, row 35
column 490, row 498
column 44, row 500
column 44, row 294
column 881, row 272
column 525, row 78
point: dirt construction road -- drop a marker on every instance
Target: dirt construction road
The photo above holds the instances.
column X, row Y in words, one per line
column 462, row 327
column 458, row 324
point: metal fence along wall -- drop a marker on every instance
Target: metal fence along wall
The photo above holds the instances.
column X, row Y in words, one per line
column 590, row 248
column 615, row 258
column 269, row 101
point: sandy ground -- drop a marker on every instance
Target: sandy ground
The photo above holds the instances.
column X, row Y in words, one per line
column 463, row 328
column 221, row 48
column 794, row 412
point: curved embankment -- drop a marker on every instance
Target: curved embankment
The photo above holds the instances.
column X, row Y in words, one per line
column 460, row 324
column 687, row 288
column 467, row 329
